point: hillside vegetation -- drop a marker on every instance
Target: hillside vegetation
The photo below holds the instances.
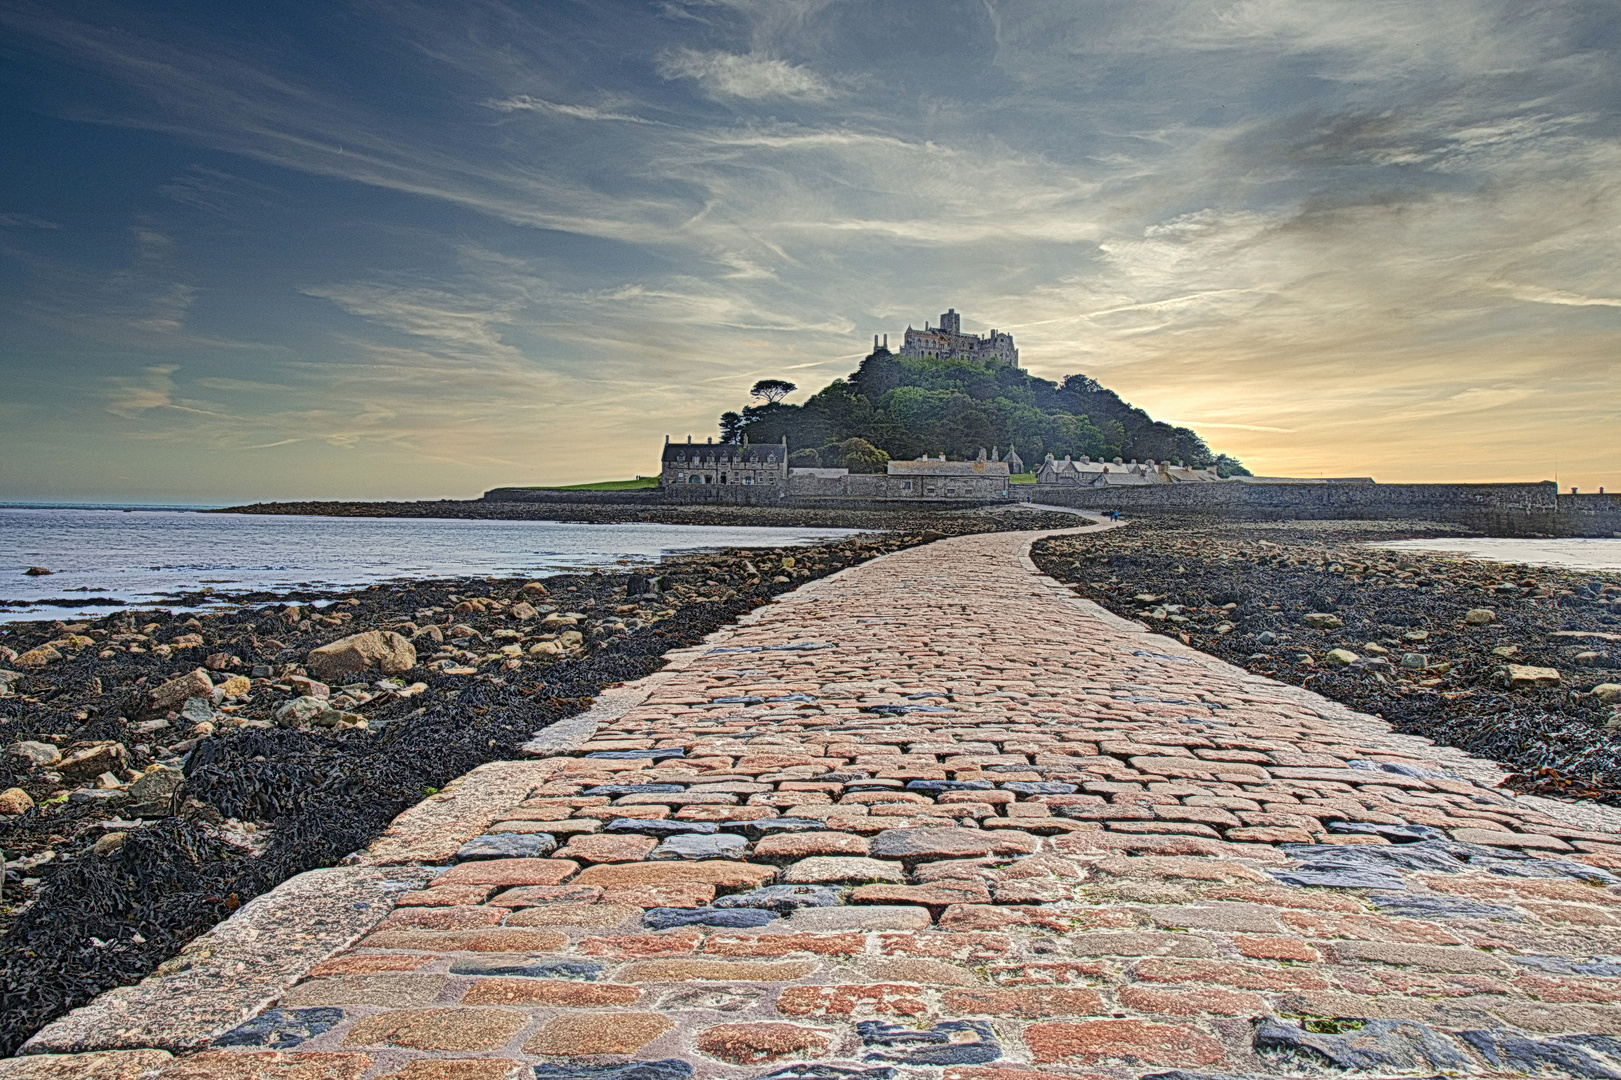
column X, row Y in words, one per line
column 908, row 406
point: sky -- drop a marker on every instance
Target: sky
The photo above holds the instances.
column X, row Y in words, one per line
column 385, row 249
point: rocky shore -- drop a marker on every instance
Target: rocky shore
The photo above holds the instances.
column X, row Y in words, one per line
column 160, row 770
column 607, row 513
column 1514, row 663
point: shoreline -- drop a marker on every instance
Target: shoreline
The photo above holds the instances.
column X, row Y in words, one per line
column 244, row 800
column 1394, row 638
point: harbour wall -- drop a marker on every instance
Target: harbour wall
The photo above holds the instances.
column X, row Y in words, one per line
column 1491, row 509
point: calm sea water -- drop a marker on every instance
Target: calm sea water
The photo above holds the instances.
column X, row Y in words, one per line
column 145, row 556
column 1574, row 554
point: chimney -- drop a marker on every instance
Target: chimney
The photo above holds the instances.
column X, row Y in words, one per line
column 710, row 440
column 689, row 440
column 875, row 343
column 886, row 341
column 666, row 440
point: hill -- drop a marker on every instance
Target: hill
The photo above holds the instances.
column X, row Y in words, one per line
column 910, row 406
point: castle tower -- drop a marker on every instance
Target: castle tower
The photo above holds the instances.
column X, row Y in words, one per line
column 951, row 322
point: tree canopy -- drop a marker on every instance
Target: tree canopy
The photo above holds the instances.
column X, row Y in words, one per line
column 773, row 390
column 904, row 407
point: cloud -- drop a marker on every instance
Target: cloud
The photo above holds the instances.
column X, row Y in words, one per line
column 152, row 389
column 525, row 103
column 1536, row 294
column 25, row 221
column 750, row 77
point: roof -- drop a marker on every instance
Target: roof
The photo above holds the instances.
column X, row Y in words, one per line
column 762, row 453
column 948, row 468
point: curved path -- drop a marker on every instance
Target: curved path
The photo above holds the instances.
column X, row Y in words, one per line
column 1064, row 846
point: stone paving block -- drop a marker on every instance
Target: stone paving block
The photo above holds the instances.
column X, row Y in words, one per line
column 394, row 989
column 647, row 971
column 863, row 917
column 438, row 1029
column 760, row 1043
column 597, row 1033
column 843, row 870
column 584, row 916
column 727, row 875
column 559, row 994
column 268, row 1065
column 498, row 939
column 1124, row 1042
column 509, row 872
column 97, row 1065
column 460, row 1069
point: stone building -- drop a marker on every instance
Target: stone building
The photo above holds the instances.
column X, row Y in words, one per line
column 938, row 478
column 1117, row 473
column 948, row 342
column 737, row 464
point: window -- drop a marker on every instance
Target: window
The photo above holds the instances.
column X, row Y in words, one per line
column 695, row 479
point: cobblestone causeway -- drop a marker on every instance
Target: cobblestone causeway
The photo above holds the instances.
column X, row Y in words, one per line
column 934, row 818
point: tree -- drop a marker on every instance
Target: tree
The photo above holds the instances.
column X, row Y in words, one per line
column 1227, row 465
column 805, row 459
column 861, row 456
column 731, row 427
column 773, row 390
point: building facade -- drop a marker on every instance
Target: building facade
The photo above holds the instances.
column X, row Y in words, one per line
column 756, row 473
column 948, row 342
column 1117, row 473
column 736, row 464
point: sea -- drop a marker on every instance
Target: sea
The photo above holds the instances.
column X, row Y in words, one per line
column 1571, row 554
column 147, row 557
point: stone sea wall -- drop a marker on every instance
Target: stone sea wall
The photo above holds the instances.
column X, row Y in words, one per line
column 1495, row 509
column 1499, row 509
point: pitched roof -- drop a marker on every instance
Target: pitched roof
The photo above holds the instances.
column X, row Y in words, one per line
column 758, row 453
column 948, row 468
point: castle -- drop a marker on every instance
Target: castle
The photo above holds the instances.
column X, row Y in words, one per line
column 948, row 342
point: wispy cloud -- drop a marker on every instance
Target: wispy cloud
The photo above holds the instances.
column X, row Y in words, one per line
column 749, row 77
column 525, row 103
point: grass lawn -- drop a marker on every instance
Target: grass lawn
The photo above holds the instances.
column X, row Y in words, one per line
column 606, row 485
column 1022, row 478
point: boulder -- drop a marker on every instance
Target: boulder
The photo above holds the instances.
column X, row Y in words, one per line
column 384, row 650
column 38, row 753
column 571, row 639
column 1340, row 658
column 1608, row 692
column 173, row 694
column 522, row 611
column 91, row 761
column 236, row 686
column 1520, row 676
column 534, row 588
column 1322, row 620
column 1479, row 617
column 38, row 571
column 151, row 796
column 300, row 711
column 304, row 686
column 37, row 657
column 15, row 801
column 315, row 712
